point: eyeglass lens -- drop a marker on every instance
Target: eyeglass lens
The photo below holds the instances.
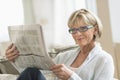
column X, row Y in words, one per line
column 80, row 29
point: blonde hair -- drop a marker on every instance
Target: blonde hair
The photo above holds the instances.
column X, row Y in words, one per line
column 88, row 17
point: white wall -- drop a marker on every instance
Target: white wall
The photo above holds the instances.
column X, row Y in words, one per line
column 53, row 15
column 53, row 18
column 43, row 14
column 115, row 19
column 11, row 13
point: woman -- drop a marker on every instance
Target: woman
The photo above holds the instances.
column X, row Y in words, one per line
column 86, row 62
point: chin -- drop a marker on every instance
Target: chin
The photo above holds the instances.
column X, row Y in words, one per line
column 81, row 44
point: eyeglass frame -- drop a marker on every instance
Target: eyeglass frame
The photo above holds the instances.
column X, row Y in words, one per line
column 79, row 29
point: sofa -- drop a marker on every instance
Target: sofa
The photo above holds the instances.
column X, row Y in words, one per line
column 8, row 72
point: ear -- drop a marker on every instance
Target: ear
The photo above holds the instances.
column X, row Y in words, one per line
column 95, row 30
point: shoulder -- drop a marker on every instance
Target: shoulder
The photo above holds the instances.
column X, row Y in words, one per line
column 101, row 54
column 105, row 55
column 104, row 58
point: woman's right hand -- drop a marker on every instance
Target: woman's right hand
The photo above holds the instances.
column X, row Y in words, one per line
column 12, row 53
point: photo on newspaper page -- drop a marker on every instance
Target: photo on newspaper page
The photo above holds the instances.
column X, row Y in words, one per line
column 29, row 41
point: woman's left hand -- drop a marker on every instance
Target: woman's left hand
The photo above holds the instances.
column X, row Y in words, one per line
column 61, row 71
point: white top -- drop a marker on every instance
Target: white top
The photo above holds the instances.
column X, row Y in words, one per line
column 97, row 66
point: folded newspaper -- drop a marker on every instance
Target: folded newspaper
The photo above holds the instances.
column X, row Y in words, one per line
column 29, row 41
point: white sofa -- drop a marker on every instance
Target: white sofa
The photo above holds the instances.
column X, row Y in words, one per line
column 8, row 77
column 8, row 72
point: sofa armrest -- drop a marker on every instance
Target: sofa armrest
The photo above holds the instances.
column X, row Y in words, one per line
column 7, row 68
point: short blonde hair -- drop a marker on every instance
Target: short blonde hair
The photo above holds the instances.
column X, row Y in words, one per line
column 88, row 17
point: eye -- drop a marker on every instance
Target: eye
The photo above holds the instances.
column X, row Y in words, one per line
column 72, row 31
column 83, row 28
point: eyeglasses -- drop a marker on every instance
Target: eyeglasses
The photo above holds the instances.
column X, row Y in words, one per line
column 80, row 29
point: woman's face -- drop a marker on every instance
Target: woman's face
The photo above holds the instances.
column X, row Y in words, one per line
column 83, row 38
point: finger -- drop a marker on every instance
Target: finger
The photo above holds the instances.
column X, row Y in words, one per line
column 11, row 49
column 15, row 52
column 10, row 46
column 56, row 66
column 60, row 77
column 58, row 71
column 12, row 55
column 61, row 71
column 13, row 58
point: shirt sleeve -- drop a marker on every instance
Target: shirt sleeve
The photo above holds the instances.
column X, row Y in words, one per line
column 74, row 76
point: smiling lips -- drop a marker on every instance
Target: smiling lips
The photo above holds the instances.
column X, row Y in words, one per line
column 80, row 38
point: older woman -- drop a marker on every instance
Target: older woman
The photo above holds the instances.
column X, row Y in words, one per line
column 86, row 62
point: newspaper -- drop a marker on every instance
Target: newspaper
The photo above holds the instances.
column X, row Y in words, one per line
column 29, row 41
